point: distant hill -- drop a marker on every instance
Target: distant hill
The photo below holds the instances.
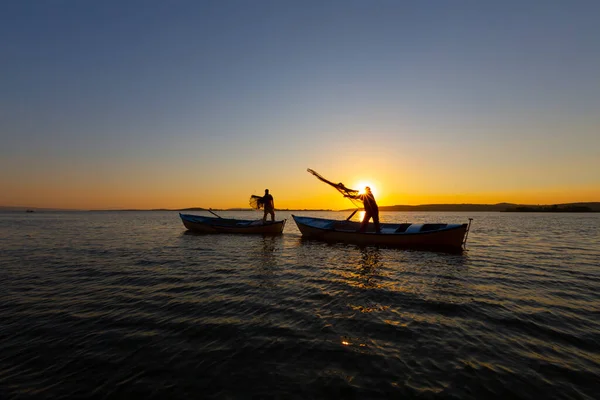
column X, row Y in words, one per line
column 449, row 207
column 572, row 207
column 566, row 207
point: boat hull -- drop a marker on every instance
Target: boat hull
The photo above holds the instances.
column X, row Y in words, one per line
column 446, row 237
column 201, row 224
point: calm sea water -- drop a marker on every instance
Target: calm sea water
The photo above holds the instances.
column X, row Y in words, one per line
column 128, row 304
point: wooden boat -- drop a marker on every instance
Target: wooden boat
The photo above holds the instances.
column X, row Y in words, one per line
column 433, row 236
column 202, row 224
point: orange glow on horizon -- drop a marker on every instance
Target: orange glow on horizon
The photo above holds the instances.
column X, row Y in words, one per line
column 291, row 190
column 152, row 199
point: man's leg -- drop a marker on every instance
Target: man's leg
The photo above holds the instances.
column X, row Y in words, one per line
column 265, row 216
column 376, row 222
column 273, row 216
column 365, row 223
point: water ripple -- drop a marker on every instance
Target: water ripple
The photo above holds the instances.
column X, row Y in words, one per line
column 130, row 305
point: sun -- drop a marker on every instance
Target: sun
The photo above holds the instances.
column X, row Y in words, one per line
column 363, row 184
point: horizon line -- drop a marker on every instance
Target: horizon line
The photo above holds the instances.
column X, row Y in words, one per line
column 6, row 208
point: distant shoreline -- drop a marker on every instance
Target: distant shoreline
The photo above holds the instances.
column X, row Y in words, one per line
column 583, row 207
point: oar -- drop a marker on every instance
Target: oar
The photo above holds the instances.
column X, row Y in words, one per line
column 352, row 215
column 467, row 234
column 210, row 211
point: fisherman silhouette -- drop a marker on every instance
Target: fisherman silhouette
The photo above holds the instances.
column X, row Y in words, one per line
column 269, row 205
column 371, row 209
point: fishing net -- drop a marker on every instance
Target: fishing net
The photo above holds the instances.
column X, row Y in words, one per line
column 340, row 187
column 256, row 202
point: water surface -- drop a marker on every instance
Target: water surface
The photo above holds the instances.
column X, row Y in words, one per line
column 126, row 304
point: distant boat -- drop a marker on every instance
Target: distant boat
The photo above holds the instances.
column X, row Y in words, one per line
column 202, row 224
column 434, row 236
column 29, row 211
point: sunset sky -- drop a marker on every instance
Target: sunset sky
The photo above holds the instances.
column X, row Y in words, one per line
column 151, row 104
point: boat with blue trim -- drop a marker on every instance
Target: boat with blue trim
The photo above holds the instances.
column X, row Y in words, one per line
column 201, row 224
column 434, row 236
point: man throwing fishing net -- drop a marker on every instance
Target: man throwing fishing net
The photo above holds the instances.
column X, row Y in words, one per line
column 371, row 209
column 269, row 205
column 265, row 202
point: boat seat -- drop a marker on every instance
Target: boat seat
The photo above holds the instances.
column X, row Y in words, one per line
column 344, row 226
column 402, row 228
column 432, row 227
column 323, row 224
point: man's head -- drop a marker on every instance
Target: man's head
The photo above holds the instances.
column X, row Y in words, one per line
column 266, row 191
column 368, row 189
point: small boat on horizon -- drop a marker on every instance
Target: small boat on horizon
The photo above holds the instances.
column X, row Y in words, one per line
column 201, row 224
column 431, row 236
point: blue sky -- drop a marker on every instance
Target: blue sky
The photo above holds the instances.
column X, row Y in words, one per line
column 452, row 97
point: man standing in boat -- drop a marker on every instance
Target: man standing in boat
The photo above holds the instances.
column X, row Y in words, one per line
column 371, row 209
column 269, row 205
